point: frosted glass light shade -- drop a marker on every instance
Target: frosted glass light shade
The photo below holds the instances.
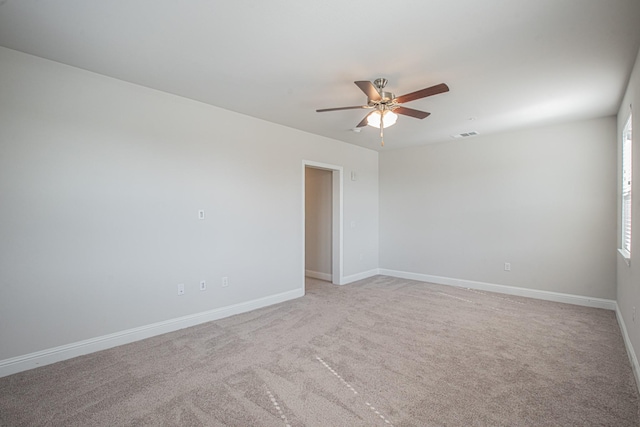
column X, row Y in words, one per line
column 388, row 119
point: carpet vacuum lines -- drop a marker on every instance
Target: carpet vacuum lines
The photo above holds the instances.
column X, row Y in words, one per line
column 495, row 296
column 350, row 387
column 278, row 408
column 467, row 300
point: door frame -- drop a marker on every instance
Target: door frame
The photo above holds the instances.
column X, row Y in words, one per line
column 337, row 187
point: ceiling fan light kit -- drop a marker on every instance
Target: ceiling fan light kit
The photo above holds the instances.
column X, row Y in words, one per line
column 386, row 105
column 388, row 117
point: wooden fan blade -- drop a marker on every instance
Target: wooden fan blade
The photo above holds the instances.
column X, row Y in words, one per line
column 363, row 122
column 433, row 90
column 359, row 107
column 411, row 112
column 369, row 89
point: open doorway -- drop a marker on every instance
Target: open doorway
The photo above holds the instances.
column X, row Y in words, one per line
column 322, row 221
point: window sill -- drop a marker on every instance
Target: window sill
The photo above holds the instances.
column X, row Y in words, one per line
column 626, row 256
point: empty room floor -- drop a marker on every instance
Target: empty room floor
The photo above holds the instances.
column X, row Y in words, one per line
column 379, row 352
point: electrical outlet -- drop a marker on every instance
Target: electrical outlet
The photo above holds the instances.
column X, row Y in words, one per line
column 181, row 289
column 201, row 214
column 225, row 282
column 507, row 266
column 203, row 285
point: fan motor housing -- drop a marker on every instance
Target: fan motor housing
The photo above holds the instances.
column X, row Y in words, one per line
column 386, row 98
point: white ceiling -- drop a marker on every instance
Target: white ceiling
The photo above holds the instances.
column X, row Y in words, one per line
column 509, row 63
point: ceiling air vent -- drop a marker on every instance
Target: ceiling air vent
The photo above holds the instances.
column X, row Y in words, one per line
column 465, row 135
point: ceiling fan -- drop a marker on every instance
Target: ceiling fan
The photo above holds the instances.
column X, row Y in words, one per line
column 386, row 105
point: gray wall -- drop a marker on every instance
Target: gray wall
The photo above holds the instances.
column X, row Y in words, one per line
column 318, row 230
column 100, row 185
column 543, row 200
column 628, row 283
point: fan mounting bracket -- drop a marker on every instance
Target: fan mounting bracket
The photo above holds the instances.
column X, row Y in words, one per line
column 380, row 83
column 386, row 97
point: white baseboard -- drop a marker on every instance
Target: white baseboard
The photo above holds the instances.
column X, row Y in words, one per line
column 359, row 276
column 345, row 280
column 630, row 351
column 504, row 289
column 64, row 352
column 317, row 275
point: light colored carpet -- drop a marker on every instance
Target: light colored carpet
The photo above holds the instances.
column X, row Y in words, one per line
column 378, row 352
